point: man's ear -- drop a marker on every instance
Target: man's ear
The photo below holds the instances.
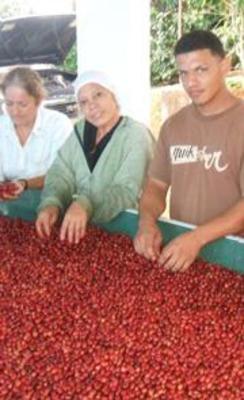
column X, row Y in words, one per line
column 226, row 65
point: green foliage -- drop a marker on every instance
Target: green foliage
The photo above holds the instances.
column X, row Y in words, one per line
column 224, row 17
column 70, row 62
column 163, row 32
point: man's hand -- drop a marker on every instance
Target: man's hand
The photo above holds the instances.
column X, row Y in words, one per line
column 74, row 224
column 45, row 221
column 180, row 253
column 148, row 241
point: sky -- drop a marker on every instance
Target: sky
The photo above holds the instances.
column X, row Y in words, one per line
column 50, row 6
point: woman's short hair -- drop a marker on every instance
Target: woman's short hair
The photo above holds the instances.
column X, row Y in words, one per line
column 27, row 79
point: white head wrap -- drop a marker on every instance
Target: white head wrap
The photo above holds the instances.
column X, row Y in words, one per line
column 94, row 76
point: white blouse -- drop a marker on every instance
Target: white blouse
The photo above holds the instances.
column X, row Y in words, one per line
column 33, row 159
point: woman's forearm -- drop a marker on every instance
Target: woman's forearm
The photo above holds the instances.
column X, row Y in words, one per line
column 34, row 183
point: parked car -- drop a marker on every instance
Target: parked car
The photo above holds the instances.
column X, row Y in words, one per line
column 42, row 43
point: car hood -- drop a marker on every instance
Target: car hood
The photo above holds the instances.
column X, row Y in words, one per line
column 36, row 39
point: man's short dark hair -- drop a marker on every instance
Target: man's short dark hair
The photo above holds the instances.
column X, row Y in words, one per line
column 199, row 40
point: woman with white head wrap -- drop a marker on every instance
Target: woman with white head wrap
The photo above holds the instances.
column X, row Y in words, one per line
column 93, row 76
column 100, row 169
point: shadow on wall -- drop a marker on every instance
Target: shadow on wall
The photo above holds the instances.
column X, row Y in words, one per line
column 165, row 101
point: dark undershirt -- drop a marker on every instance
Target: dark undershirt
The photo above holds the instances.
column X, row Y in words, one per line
column 91, row 150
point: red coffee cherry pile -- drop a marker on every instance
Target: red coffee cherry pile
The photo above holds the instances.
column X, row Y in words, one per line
column 96, row 321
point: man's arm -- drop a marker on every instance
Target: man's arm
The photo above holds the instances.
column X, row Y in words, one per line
column 179, row 254
column 231, row 222
column 153, row 201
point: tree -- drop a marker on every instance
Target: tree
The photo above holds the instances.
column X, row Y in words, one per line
column 170, row 18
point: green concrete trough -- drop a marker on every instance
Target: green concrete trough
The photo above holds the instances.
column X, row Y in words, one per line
column 228, row 251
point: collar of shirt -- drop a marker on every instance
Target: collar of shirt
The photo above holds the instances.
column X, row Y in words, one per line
column 38, row 122
column 8, row 128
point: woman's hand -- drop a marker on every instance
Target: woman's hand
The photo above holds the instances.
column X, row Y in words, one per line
column 11, row 190
column 74, row 224
column 45, row 221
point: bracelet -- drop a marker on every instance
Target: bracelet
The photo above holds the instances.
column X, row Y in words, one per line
column 25, row 183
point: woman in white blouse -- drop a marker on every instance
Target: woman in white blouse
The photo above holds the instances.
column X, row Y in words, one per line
column 30, row 134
